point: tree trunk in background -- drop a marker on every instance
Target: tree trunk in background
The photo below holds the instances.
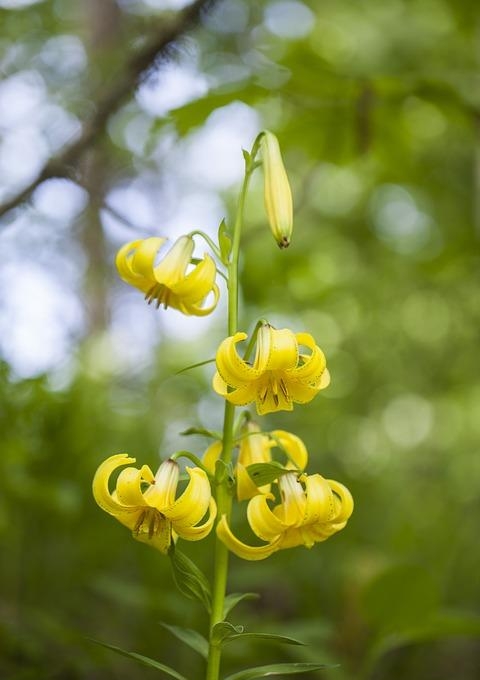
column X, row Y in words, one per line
column 102, row 37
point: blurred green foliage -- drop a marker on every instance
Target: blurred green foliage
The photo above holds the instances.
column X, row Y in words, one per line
column 377, row 109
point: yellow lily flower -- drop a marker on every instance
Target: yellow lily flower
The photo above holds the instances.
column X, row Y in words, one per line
column 312, row 509
column 277, row 193
column 167, row 282
column 256, row 447
column 153, row 514
column 280, row 375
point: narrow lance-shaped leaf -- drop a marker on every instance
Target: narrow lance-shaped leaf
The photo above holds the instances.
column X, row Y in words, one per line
column 201, row 430
column 272, row 637
column 190, row 637
column 190, row 367
column 226, row 632
column 276, row 669
column 233, row 599
column 190, row 579
column 144, row 660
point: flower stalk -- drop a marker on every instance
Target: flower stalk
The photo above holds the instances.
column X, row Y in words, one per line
column 224, row 494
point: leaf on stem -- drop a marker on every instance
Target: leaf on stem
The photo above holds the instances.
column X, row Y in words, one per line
column 276, row 669
column 233, row 599
column 272, row 637
column 265, row 473
column 247, row 157
column 190, row 637
column 226, row 632
column 189, row 579
column 223, row 630
column 201, row 430
column 224, row 241
column 197, row 365
column 224, row 473
column 144, row 660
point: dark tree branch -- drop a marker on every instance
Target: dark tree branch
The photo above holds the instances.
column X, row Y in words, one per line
column 135, row 71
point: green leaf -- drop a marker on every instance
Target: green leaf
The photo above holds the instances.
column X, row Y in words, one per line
column 144, row 660
column 247, row 157
column 265, row 473
column 201, row 430
column 223, row 630
column 190, row 579
column 283, row 639
column 276, row 669
column 232, row 600
column 197, row 365
column 224, row 472
column 189, row 637
column 224, row 241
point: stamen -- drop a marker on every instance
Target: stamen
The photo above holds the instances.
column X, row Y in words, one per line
column 283, row 387
column 138, row 525
column 158, row 293
column 150, row 294
column 149, row 522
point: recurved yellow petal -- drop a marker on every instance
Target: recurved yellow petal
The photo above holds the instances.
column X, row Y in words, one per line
column 128, row 488
column 144, row 255
column 343, row 501
column 196, row 285
column 246, row 488
column 196, row 533
column 100, row 488
column 293, row 447
column 161, row 493
column 199, row 310
column 171, row 268
column 211, row 455
column 293, row 500
column 263, row 522
column 233, row 370
column 320, row 506
column 246, row 552
column 192, row 505
column 276, row 349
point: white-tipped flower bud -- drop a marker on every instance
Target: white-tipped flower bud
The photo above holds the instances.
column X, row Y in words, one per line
column 278, row 196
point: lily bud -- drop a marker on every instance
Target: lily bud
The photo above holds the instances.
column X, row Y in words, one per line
column 278, row 196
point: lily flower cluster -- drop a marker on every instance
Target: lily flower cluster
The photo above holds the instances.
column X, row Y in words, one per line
column 306, row 508
column 287, row 507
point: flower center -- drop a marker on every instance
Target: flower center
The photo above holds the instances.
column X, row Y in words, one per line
column 274, row 385
column 152, row 522
column 160, row 293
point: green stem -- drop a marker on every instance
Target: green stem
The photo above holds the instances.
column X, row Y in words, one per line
column 224, row 497
column 208, row 240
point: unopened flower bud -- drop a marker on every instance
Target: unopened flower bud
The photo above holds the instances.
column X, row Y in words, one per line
column 278, row 196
